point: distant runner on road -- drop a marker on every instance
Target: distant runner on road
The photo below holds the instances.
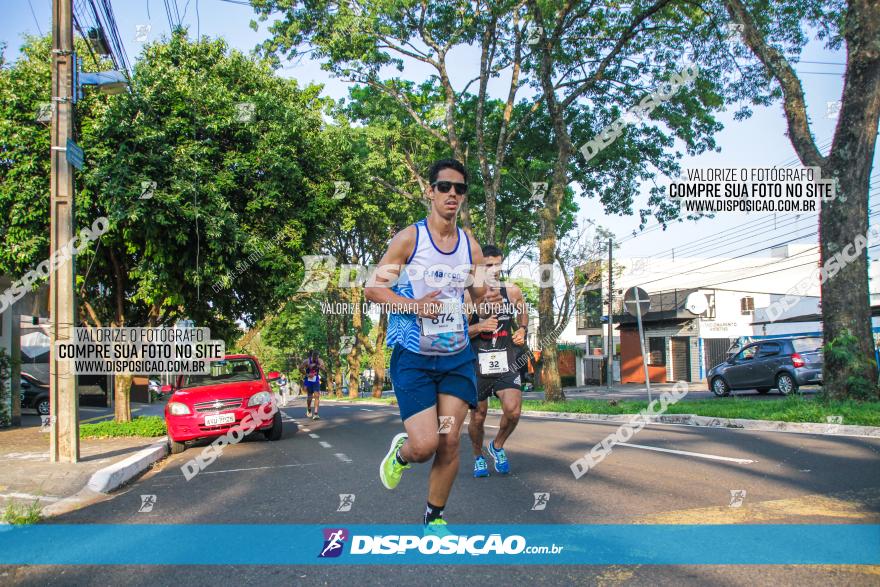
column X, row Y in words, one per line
column 311, row 369
column 431, row 363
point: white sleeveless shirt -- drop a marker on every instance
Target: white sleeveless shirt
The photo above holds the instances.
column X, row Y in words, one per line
column 430, row 269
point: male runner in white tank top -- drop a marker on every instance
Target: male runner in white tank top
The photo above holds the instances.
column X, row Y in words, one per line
column 431, row 263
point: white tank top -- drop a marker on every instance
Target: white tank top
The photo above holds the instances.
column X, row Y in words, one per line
column 430, row 269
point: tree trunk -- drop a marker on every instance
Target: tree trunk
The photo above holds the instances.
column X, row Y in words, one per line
column 121, row 397
column 546, row 318
column 849, row 370
column 378, row 361
column 849, row 367
column 337, row 383
column 354, row 357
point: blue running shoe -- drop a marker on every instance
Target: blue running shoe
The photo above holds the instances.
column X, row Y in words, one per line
column 481, row 469
column 437, row 528
column 500, row 458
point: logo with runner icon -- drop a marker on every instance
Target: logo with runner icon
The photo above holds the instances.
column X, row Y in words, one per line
column 334, row 541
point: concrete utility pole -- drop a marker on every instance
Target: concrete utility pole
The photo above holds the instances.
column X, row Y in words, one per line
column 64, row 397
column 610, row 365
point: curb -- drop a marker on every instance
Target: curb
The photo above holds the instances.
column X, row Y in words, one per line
column 709, row 422
column 367, row 403
column 113, row 476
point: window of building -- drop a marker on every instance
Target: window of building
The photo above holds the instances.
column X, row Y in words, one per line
column 747, row 305
column 589, row 309
column 657, row 350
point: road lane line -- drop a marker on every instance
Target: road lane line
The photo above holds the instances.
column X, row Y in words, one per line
column 342, row 457
column 689, row 454
column 325, row 444
column 253, row 469
column 366, row 410
column 467, row 422
column 314, row 436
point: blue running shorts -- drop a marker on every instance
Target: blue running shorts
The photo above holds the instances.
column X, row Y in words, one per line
column 417, row 379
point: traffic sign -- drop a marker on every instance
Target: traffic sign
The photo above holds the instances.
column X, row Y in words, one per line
column 636, row 301
column 75, row 155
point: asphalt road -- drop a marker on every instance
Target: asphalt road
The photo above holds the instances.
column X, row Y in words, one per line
column 787, row 478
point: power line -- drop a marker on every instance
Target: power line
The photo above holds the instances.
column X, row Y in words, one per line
column 738, row 232
column 758, row 228
column 787, row 163
column 822, row 62
column 34, row 14
column 874, row 214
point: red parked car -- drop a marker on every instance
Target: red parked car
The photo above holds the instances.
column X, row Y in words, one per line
column 207, row 406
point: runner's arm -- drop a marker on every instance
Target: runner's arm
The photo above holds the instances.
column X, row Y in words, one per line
column 474, row 330
column 522, row 314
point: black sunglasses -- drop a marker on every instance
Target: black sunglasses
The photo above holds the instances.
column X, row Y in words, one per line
column 446, row 186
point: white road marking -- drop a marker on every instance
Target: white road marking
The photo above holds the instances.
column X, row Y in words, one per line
column 257, row 468
column 466, row 422
column 366, row 410
column 314, row 436
column 342, row 457
column 17, row 495
column 325, row 444
column 306, row 429
column 689, row 454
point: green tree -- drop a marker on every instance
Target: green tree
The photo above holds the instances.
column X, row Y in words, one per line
column 773, row 34
column 590, row 62
column 240, row 194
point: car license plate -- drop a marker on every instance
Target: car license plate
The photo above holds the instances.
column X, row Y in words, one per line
column 218, row 419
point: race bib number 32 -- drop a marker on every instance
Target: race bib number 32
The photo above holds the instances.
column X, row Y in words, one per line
column 493, row 363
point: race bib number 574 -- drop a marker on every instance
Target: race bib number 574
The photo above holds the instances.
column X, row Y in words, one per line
column 450, row 319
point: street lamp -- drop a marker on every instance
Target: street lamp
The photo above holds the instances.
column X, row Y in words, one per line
column 107, row 82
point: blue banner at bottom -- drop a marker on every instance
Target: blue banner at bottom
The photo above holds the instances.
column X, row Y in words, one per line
column 353, row 544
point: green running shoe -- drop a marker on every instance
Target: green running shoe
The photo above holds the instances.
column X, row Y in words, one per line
column 390, row 470
column 437, row 528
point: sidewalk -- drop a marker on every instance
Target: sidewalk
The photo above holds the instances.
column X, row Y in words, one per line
column 27, row 475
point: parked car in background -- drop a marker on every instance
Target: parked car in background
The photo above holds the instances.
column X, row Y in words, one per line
column 34, row 394
column 206, row 406
column 781, row 363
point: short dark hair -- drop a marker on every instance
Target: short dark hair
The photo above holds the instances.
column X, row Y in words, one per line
column 442, row 164
column 491, row 251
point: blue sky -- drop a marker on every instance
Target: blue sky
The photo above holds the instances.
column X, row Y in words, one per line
column 757, row 142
